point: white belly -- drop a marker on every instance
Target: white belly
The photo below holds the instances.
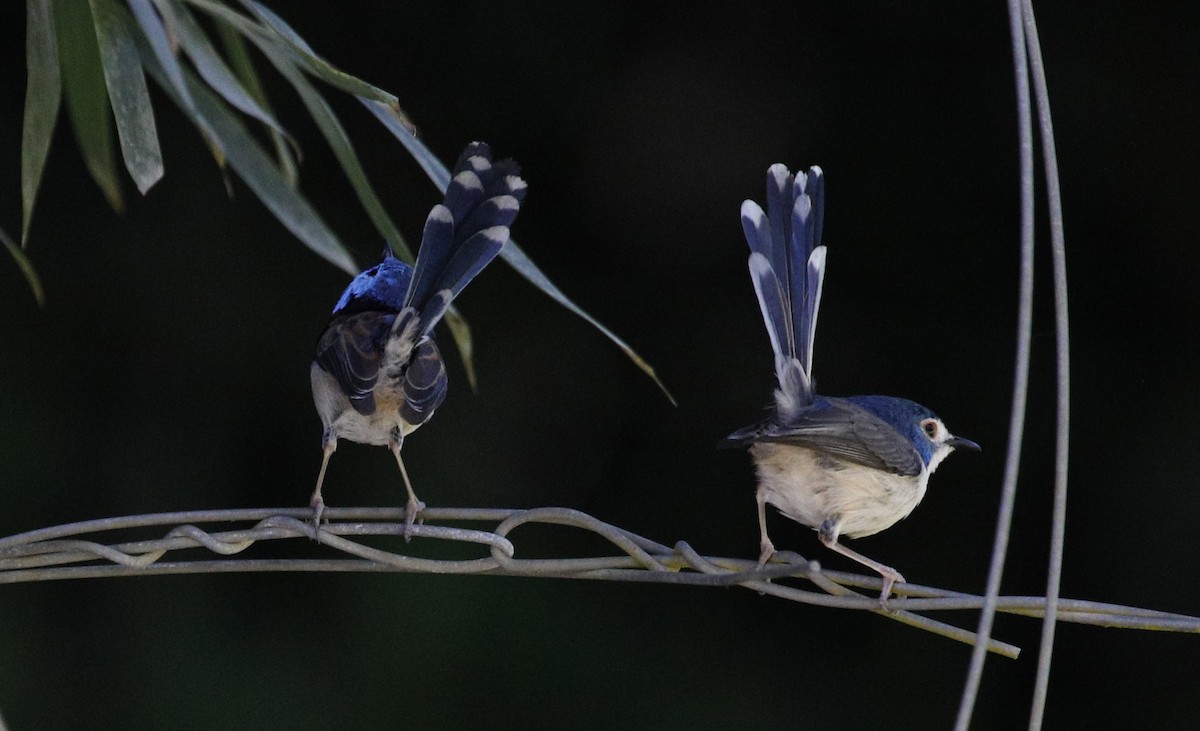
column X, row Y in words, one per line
column 343, row 422
column 810, row 487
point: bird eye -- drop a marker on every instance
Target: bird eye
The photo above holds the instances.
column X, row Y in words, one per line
column 930, row 427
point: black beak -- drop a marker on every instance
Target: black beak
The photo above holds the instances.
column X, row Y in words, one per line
column 962, row 443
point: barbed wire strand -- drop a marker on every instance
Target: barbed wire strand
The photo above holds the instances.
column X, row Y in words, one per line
column 57, row 553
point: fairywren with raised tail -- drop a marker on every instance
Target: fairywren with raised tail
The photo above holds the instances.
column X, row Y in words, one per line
column 850, row 466
column 377, row 374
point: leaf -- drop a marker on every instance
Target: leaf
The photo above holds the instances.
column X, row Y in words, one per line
column 87, row 97
column 128, row 95
column 212, row 67
column 243, row 66
column 340, row 143
column 43, row 94
column 247, row 158
column 155, row 33
column 258, row 171
column 315, row 64
column 26, row 267
column 511, row 253
column 461, row 332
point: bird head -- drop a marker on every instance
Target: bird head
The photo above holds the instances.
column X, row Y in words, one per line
column 382, row 287
column 921, row 427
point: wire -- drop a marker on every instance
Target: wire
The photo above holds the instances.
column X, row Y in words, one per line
column 82, row 550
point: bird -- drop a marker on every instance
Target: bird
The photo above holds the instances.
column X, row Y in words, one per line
column 377, row 374
column 844, row 466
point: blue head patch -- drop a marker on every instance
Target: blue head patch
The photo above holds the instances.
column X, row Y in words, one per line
column 382, row 287
column 904, row 416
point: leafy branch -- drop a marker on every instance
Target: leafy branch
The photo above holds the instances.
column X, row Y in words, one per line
column 97, row 55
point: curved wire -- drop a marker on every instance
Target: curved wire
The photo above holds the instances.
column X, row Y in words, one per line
column 1058, row 525
column 1016, row 426
column 76, row 551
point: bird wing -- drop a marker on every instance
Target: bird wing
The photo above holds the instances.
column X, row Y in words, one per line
column 787, row 266
column 841, row 429
column 424, row 384
column 350, row 350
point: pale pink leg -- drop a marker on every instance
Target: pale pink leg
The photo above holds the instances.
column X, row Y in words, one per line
column 414, row 505
column 316, row 502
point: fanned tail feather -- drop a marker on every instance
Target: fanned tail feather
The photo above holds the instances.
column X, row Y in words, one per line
column 464, row 232
column 787, row 266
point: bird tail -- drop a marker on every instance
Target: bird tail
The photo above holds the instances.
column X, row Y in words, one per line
column 464, row 232
column 787, row 266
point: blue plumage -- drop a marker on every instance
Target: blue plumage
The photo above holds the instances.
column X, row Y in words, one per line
column 844, row 466
column 382, row 287
column 377, row 374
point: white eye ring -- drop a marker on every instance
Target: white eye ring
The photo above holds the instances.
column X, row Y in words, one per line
column 930, row 427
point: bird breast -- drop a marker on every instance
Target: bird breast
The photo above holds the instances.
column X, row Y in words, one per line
column 810, row 486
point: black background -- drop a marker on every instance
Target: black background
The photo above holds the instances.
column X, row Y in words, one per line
column 169, row 371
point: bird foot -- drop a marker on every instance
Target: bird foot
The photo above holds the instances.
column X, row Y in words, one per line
column 766, row 550
column 889, row 580
column 318, row 508
column 411, row 512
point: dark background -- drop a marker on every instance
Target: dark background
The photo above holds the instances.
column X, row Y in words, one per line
column 169, row 371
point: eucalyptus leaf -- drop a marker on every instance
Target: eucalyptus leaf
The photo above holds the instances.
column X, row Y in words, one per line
column 516, row 258
column 212, row 68
column 340, row 143
column 243, row 66
column 26, row 268
column 255, row 167
column 128, row 95
column 461, row 332
column 248, row 159
column 43, row 94
column 155, row 33
column 87, row 97
column 319, row 66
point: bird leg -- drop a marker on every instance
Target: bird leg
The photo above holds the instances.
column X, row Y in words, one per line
column 828, row 533
column 316, row 502
column 766, row 549
column 414, row 506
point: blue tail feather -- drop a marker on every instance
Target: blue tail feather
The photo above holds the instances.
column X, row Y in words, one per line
column 437, row 244
column 481, row 201
column 787, row 267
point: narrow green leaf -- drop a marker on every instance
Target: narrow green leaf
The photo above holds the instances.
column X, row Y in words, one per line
column 128, row 95
column 256, row 168
column 340, row 143
column 43, row 94
column 230, row 139
column 155, row 32
column 87, row 96
column 440, row 175
column 243, row 66
column 234, row 26
column 211, row 67
column 317, row 65
column 26, row 267
column 461, row 332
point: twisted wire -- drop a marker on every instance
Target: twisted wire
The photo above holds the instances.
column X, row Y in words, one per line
column 80, row 550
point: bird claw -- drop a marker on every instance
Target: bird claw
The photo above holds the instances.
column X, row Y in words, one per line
column 888, row 582
column 318, row 507
column 766, row 550
column 411, row 512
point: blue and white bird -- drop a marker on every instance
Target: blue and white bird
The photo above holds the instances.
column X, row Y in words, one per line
column 377, row 374
column 850, row 466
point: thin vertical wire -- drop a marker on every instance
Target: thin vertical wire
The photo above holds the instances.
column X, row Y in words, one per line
column 1063, row 363
column 1016, row 426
